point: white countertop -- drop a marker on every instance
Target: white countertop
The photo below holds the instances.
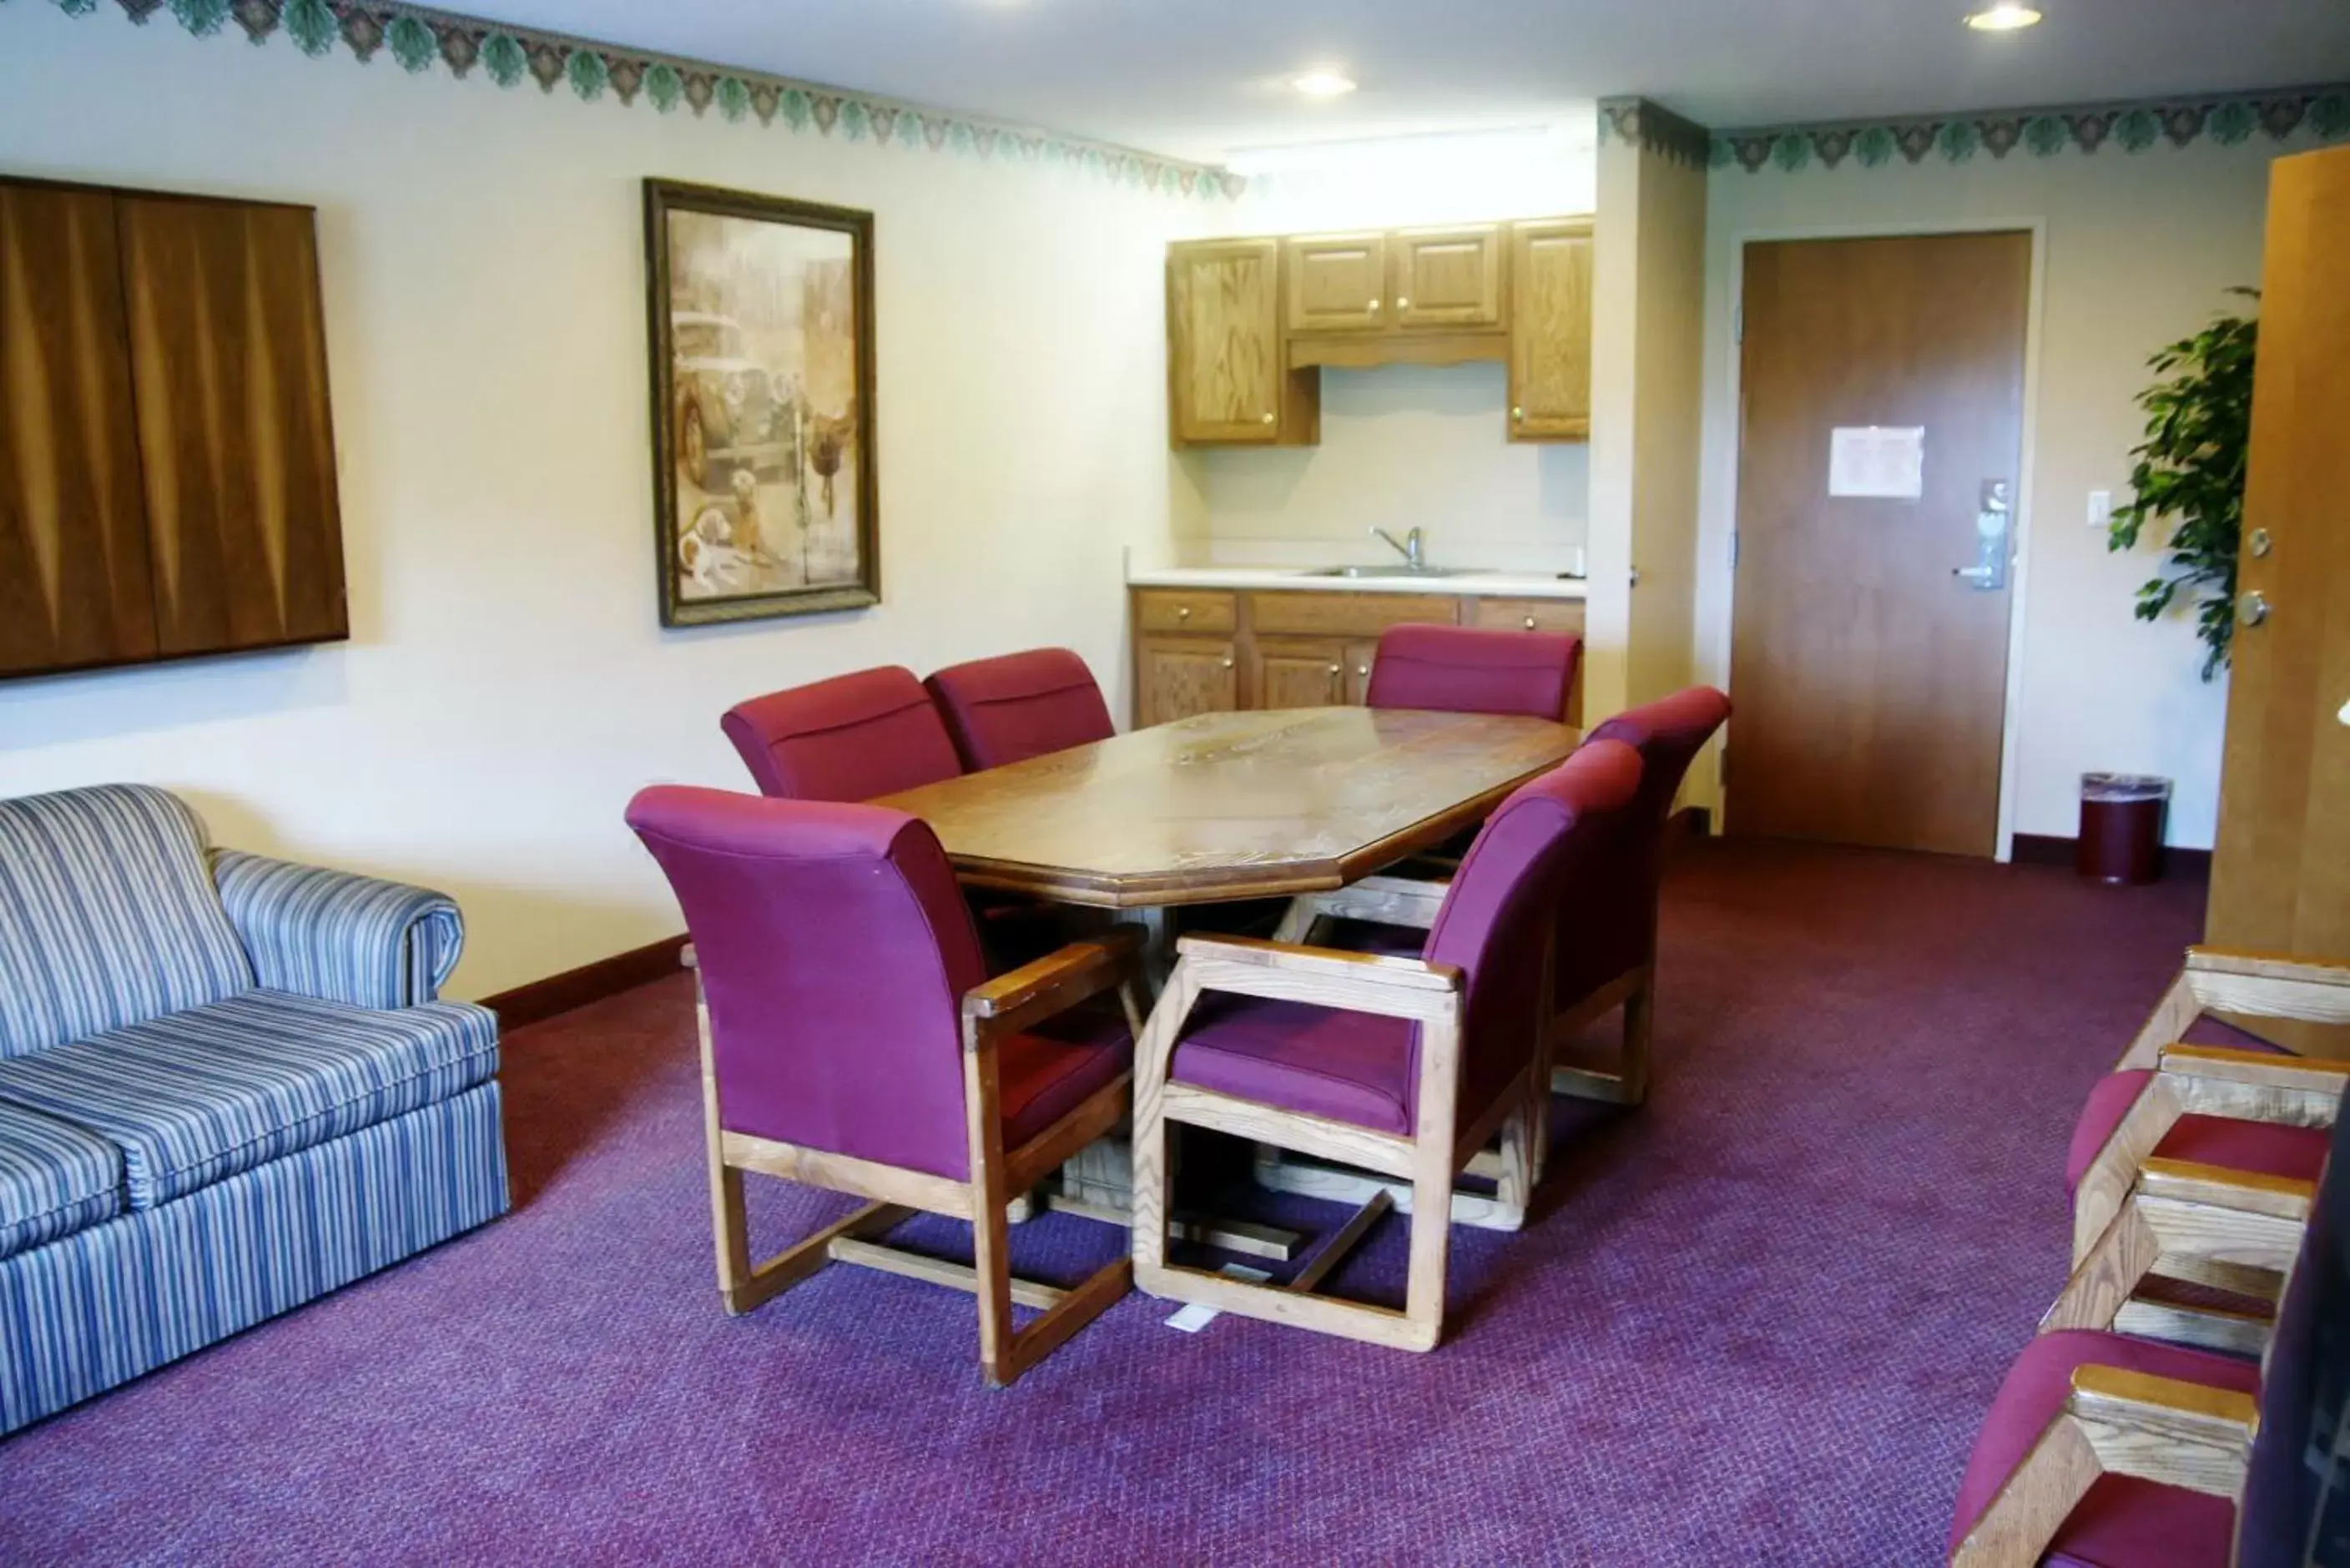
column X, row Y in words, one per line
column 1514, row 584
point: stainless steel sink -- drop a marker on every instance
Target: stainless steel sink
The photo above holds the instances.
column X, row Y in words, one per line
column 1395, row 571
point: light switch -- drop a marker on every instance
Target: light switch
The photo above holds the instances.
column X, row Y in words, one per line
column 2101, row 508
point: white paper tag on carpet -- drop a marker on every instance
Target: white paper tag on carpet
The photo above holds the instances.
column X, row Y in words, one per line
column 1196, row 1316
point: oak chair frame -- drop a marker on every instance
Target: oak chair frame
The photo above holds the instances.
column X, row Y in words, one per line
column 2234, row 1229
column 1438, row 1147
column 2114, row 1422
column 1005, row 1005
column 2198, row 1080
column 2250, row 984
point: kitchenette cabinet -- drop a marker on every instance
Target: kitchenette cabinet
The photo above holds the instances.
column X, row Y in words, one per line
column 1251, row 323
column 1216, row 650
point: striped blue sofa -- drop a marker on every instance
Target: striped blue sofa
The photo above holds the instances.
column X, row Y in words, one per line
column 226, row 1088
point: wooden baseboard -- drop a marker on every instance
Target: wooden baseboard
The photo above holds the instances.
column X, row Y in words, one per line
column 2046, row 849
column 560, row 993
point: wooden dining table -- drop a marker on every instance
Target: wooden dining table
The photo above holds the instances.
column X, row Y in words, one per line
column 1218, row 808
column 1228, row 806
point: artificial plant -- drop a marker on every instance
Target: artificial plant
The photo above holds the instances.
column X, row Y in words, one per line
column 2190, row 471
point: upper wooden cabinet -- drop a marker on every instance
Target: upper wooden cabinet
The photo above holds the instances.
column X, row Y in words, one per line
column 1227, row 382
column 169, row 481
column 1550, row 350
column 1252, row 322
column 1338, row 282
column 1448, row 278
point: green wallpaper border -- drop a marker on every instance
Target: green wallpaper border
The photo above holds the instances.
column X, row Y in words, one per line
column 2224, row 119
column 420, row 39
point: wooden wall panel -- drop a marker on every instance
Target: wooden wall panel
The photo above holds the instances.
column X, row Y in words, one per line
column 228, row 352
column 73, row 548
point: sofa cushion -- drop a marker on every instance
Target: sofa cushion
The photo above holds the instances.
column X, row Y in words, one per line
column 55, row 1178
column 2123, row 1523
column 2264, row 1148
column 107, row 916
column 206, row 1093
column 1354, row 1068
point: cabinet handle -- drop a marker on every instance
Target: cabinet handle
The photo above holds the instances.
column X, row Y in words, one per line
column 1366, row 669
column 1402, row 304
column 1227, row 663
column 1183, row 612
column 1335, row 670
column 1268, row 418
column 1517, row 413
column 1373, row 306
column 1530, row 622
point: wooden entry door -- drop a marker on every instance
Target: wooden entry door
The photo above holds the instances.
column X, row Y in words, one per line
column 2281, row 871
column 1869, row 666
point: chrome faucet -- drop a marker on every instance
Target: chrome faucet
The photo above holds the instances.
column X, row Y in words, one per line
column 1409, row 549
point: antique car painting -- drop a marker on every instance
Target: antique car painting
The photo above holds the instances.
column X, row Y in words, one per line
column 763, row 479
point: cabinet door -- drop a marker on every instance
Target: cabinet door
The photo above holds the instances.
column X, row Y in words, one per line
column 1338, row 282
column 1224, row 311
column 1360, row 656
column 228, row 351
column 1298, row 674
column 1178, row 677
column 1550, row 330
column 74, row 586
column 1449, row 278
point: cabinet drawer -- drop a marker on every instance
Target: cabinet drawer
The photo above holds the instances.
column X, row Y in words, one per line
column 1530, row 615
column 1347, row 615
column 1177, row 609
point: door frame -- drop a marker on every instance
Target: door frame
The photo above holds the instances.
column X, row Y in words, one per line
column 2019, row 571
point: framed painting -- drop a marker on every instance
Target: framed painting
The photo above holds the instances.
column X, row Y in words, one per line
column 764, row 493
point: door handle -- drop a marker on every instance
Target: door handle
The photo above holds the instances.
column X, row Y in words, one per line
column 2252, row 608
column 1989, row 573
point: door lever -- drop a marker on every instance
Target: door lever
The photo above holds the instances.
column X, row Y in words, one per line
column 1989, row 573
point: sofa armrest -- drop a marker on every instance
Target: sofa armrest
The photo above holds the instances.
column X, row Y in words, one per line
column 339, row 936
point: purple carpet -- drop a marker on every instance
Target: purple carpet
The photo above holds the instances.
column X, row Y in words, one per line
column 1757, row 1323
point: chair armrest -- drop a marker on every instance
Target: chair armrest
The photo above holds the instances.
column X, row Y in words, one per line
column 337, row 936
column 1054, row 983
column 2268, row 985
column 1325, row 977
column 2165, row 1430
column 2232, row 1191
column 2253, row 1085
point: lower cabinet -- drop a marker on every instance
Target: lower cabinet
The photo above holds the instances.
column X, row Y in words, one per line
column 1224, row 650
column 1178, row 677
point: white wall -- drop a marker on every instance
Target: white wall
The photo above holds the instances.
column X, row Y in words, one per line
column 507, row 685
column 1405, row 446
column 2137, row 251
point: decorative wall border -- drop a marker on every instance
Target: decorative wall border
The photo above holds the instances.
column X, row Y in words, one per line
column 418, row 38
column 1642, row 123
column 2136, row 127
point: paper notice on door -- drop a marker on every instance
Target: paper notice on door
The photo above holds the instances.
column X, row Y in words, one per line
column 1880, row 462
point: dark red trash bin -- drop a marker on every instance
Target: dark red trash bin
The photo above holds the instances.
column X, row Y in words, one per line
column 2121, row 828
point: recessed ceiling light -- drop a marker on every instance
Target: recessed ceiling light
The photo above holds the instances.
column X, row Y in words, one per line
column 1323, row 81
column 2003, row 17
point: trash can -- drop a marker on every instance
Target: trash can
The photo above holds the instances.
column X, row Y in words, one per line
column 2121, row 828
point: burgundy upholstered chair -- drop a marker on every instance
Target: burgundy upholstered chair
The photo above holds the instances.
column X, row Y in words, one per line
column 1605, row 949
column 1402, row 1066
column 1022, row 705
column 854, row 737
column 2251, row 1111
column 2106, row 1451
column 851, row 1040
column 1474, row 669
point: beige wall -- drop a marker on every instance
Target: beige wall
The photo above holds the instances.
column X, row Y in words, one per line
column 1647, row 309
column 2134, row 252
column 507, row 685
column 1405, row 446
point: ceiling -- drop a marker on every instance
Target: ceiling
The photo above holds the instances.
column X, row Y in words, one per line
column 1199, row 79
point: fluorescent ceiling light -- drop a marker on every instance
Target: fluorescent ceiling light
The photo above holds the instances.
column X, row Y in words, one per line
column 2004, row 16
column 1323, row 81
